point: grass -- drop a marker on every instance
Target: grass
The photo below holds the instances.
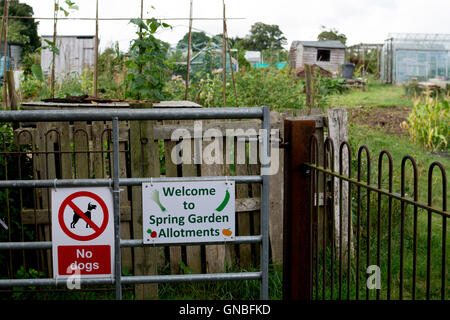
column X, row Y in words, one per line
column 223, row 290
column 375, row 95
column 400, row 146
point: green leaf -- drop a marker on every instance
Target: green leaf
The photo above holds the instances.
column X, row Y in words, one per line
column 66, row 13
column 37, row 72
column 138, row 22
column 130, row 64
column 51, row 46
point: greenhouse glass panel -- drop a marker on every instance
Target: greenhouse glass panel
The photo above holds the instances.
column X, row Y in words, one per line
column 408, row 57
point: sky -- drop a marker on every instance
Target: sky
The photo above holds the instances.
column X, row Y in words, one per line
column 362, row 21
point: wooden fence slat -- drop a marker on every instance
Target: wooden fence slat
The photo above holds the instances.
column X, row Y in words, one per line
column 81, row 146
column 276, row 199
column 97, row 145
column 243, row 218
column 66, row 157
column 142, row 154
column 171, row 171
column 193, row 253
column 337, row 131
column 215, row 254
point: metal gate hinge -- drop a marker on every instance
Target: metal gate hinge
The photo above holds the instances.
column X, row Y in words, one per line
column 283, row 144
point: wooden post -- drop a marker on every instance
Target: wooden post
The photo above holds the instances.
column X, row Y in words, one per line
column 363, row 60
column 5, row 54
column 276, row 195
column 297, row 224
column 11, row 89
column 52, row 79
column 144, row 163
column 224, row 62
column 309, row 88
column 215, row 254
column 12, row 94
column 186, row 93
column 96, row 51
column 231, row 66
column 337, row 131
column 193, row 252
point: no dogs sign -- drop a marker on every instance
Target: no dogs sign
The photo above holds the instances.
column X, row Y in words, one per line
column 82, row 232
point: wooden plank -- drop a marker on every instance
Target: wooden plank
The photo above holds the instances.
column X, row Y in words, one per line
column 142, row 155
column 81, row 146
column 243, row 219
column 193, row 253
column 98, row 164
column 66, row 157
column 176, row 104
column 215, row 254
column 171, row 171
column 337, row 131
column 276, row 196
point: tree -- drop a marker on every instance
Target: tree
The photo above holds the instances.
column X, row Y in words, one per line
column 331, row 34
column 264, row 36
column 23, row 31
column 199, row 40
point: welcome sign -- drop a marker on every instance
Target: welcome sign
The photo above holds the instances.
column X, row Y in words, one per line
column 188, row 212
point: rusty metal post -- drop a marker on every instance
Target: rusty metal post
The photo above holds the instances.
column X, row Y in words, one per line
column 297, row 225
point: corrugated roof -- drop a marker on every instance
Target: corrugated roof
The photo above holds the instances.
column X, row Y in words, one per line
column 335, row 44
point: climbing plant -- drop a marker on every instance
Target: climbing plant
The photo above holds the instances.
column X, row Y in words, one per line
column 147, row 64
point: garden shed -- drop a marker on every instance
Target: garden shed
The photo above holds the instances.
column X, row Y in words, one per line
column 414, row 56
column 76, row 53
column 14, row 51
column 328, row 54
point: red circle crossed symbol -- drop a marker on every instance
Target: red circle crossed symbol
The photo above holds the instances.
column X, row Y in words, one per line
column 98, row 230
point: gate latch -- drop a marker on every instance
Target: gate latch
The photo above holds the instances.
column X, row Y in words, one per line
column 305, row 170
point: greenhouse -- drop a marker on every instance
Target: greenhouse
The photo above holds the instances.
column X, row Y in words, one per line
column 411, row 56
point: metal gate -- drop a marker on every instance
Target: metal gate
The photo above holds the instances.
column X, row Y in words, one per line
column 348, row 238
column 116, row 182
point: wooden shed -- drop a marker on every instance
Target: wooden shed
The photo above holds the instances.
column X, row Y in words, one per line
column 76, row 53
column 328, row 54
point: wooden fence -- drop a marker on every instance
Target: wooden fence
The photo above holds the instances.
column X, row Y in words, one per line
column 66, row 150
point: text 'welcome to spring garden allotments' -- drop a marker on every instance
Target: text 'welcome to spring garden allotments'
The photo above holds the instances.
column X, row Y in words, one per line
column 186, row 212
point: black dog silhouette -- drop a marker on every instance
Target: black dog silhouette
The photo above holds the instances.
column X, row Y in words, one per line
column 76, row 217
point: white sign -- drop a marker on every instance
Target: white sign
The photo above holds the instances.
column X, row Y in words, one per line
column 197, row 211
column 82, row 232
